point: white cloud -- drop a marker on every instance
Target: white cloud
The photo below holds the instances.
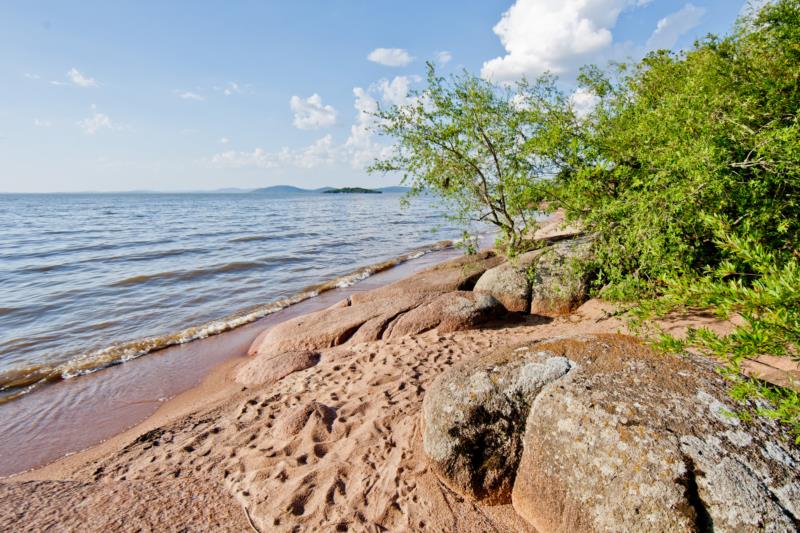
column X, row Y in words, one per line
column 391, row 57
column 96, row 122
column 443, row 57
column 321, row 152
column 311, row 114
column 231, row 88
column 39, row 123
column 361, row 148
column 554, row 35
column 583, row 101
column 30, row 76
column 670, row 28
column 224, row 140
column 188, row 95
column 79, row 79
column 395, row 92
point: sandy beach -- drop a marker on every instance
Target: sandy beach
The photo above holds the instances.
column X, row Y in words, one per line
column 331, row 444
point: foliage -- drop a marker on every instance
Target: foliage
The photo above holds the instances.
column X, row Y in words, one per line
column 687, row 170
column 484, row 150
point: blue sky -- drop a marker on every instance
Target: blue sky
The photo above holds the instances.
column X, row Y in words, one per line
column 101, row 95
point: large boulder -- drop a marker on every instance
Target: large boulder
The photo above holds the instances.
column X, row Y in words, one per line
column 616, row 438
column 510, row 282
column 474, row 415
column 558, row 277
column 550, row 281
column 454, row 311
column 365, row 316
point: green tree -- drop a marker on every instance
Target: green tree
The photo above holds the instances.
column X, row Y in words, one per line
column 487, row 151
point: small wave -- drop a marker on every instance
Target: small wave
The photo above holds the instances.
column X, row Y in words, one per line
column 17, row 382
column 236, row 266
column 251, row 238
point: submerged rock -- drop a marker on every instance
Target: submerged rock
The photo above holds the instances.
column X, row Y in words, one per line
column 616, row 438
column 474, row 415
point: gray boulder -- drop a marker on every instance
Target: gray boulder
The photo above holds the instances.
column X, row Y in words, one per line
column 600, row 433
column 510, row 282
column 632, row 440
column 474, row 415
column 558, row 278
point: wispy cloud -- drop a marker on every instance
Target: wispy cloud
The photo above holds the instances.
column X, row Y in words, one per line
column 40, row 123
column 391, row 57
column 79, row 79
column 30, row 76
column 670, row 28
column 96, row 122
column 224, row 140
column 188, row 95
column 443, row 57
column 311, row 113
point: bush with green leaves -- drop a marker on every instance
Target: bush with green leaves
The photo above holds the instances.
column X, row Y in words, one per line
column 687, row 171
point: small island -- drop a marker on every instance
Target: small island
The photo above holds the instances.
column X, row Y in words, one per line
column 351, row 190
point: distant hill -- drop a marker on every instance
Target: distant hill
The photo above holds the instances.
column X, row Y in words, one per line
column 352, row 190
column 291, row 189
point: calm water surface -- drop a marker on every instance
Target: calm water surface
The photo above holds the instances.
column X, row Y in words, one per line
column 92, row 280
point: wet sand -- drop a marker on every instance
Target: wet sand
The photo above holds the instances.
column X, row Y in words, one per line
column 72, row 415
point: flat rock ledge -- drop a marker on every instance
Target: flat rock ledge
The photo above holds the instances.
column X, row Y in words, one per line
column 372, row 315
column 599, row 433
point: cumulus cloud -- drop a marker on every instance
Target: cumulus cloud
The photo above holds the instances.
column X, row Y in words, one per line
column 583, row 101
column 391, row 57
column 443, row 57
column 311, row 113
column 319, row 153
column 79, row 79
column 96, row 122
column 395, row 92
column 188, row 95
column 554, row 35
column 360, row 148
column 670, row 28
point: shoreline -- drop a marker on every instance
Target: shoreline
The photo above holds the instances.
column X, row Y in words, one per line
column 123, row 396
column 323, row 426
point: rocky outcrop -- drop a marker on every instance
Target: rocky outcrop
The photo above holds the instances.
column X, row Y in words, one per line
column 616, row 438
column 474, row 415
column 266, row 369
column 454, row 311
column 365, row 316
column 550, row 281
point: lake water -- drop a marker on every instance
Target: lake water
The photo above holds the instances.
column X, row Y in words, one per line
column 88, row 281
